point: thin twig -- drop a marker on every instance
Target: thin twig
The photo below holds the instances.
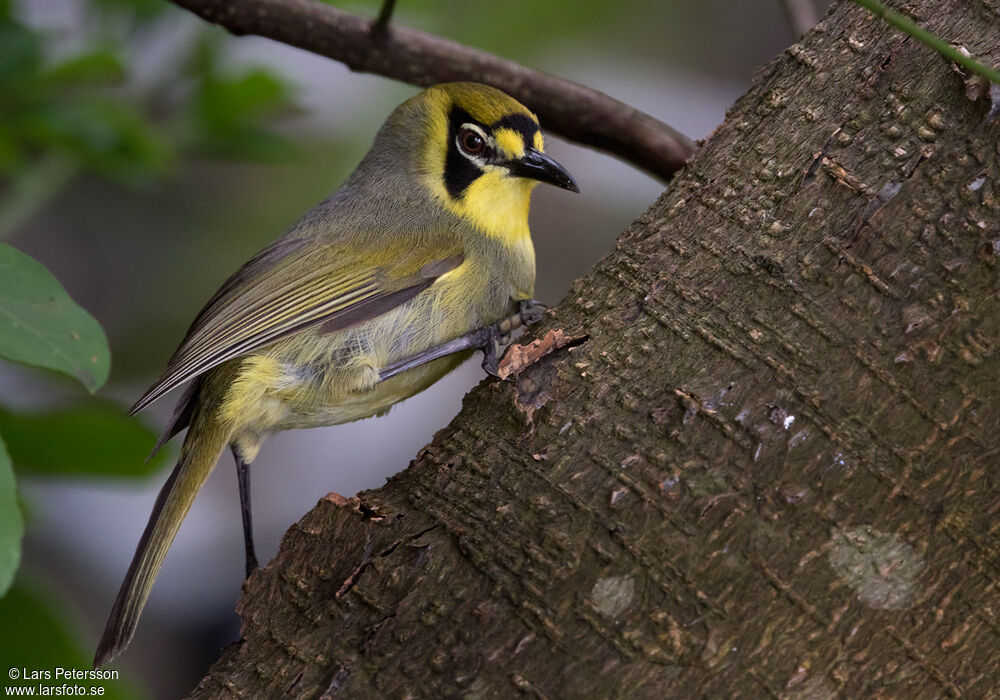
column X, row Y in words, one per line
column 566, row 108
column 801, row 14
column 380, row 27
column 908, row 26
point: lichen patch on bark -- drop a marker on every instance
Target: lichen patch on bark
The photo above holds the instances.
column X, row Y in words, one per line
column 613, row 595
column 882, row 569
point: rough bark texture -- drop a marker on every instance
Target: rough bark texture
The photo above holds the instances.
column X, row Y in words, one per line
column 769, row 471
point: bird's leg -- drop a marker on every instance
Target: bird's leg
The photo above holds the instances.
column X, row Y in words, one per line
column 243, row 476
column 489, row 339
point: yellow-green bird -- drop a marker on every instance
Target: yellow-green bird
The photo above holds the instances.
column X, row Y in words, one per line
column 424, row 251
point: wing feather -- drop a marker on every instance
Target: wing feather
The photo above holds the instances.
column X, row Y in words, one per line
column 294, row 285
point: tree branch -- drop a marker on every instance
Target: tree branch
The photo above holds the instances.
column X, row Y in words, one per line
column 573, row 111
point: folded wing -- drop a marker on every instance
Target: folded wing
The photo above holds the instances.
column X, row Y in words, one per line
column 296, row 284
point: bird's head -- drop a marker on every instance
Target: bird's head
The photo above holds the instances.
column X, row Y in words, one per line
column 480, row 153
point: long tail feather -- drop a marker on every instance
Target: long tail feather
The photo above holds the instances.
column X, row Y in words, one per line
column 203, row 445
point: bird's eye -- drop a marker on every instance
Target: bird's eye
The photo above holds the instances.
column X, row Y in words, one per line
column 472, row 142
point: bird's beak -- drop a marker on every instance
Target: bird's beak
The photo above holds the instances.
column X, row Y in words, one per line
column 535, row 165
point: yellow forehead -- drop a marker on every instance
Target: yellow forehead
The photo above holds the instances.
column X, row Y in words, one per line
column 510, row 142
column 482, row 102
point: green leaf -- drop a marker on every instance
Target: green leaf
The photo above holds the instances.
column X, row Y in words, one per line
column 99, row 66
column 250, row 143
column 20, row 56
column 41, row 325
column 94, row 438
column 34, row 187
column 226, row 103
column 109, row 136
column 229, row 112
column 37, row 632
column 10, row 152
column 11, row 523
column 143, row 10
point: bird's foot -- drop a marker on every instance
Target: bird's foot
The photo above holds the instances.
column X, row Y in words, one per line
column 530, row 311
column 489, row 339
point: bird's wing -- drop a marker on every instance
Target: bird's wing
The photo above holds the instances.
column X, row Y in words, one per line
column 296, row 284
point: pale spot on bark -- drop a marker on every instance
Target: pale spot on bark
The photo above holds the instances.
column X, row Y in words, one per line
column 612, row 596
column 814, row 688
column 880, row 567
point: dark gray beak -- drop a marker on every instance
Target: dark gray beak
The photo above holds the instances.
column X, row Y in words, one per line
column 535, row 165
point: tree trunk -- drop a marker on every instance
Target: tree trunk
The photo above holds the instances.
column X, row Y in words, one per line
column 770, row 469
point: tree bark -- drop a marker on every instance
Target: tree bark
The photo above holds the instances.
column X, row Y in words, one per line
column 769, row 468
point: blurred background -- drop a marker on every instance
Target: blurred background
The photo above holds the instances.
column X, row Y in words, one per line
column 145, row 155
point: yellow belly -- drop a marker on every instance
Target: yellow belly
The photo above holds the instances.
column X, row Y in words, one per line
column 316, row 410
column 312, row 379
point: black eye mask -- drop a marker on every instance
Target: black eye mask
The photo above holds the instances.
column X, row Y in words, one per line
column 460, row 171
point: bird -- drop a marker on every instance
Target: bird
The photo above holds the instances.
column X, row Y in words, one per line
column 381, row 289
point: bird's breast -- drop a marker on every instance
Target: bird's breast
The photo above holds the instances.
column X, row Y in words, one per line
column 314, row 378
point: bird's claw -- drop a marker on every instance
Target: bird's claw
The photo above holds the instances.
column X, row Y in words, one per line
column 491, row 350
column 530, row 311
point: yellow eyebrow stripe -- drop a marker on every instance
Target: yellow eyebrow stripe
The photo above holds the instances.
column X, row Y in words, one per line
column 510, row 142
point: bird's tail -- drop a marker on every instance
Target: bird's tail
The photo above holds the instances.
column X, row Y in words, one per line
column 205, row 440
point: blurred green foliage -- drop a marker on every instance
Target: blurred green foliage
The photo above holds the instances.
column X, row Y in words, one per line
column 90, row 439
column 66, row 107
column 44, row 639
column 11, row 523
column 70, row 108
column 228, row 110
column 510, row 28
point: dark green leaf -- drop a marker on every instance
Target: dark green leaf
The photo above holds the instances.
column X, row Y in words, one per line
column 232, row 102
column 229, row 111
column 20, row 56
column 100, row 66
column 34, row 186
column 37, row 632
column 140, row 9
column 110, row 137
column 10, row 152
column 248, row 142
column 93, row 439
column 11, row 524
column 41, row 325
